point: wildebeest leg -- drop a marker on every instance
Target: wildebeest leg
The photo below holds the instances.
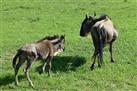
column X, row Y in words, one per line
column 101, row 51
column 16, row 68
column 110, row 49
column 94, row 59
column 101, row 58
column 99, row 64
column 96, row 45
column 49, row 65
column 29, row 63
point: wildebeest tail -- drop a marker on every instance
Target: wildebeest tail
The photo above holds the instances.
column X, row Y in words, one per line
column 100, row 36
column 15, row 59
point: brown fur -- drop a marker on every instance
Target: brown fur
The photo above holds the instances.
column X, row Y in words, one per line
column 43, row 49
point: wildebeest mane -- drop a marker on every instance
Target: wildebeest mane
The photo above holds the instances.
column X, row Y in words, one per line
column 102, row 17
column 48, row 38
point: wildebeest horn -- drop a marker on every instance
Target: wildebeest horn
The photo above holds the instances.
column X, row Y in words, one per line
column 86, row 15
column 94, row 13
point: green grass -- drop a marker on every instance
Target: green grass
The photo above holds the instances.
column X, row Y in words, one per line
column 25, row 21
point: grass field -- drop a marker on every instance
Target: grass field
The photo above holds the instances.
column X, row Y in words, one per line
column 25, row 21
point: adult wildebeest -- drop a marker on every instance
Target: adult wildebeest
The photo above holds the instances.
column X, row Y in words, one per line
column 102, row 31
column 43, row 49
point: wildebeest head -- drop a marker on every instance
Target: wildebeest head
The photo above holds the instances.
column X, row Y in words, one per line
column 62, row 43
column 59, row 45
column 58, row 41
column 86, row 25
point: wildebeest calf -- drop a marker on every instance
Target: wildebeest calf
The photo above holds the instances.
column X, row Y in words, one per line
column 43, row 49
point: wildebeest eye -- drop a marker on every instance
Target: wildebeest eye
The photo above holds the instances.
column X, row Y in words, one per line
column 59, row 46
column 88, row 22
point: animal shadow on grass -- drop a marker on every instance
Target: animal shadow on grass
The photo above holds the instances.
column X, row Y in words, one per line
column 65, row 63
column 8, row 79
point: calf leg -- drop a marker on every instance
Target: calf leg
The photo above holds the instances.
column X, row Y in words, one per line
column 16, row 68
column 26, row 71
column 43, row 67
column 49, row 65
column 46, row 64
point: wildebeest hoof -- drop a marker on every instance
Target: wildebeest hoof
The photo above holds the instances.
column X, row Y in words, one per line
column 32, row 85
column 49, row 75
column 40, row 72
column 99, row 66
column 16, row 83
column 112, row 61
column 91, row 68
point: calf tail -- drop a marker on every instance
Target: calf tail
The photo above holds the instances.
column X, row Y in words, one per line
column 15, row 59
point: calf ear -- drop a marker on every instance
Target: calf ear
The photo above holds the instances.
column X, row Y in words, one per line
column 62, row 36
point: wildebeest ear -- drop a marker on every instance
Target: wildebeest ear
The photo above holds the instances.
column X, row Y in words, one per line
column 94, row 13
